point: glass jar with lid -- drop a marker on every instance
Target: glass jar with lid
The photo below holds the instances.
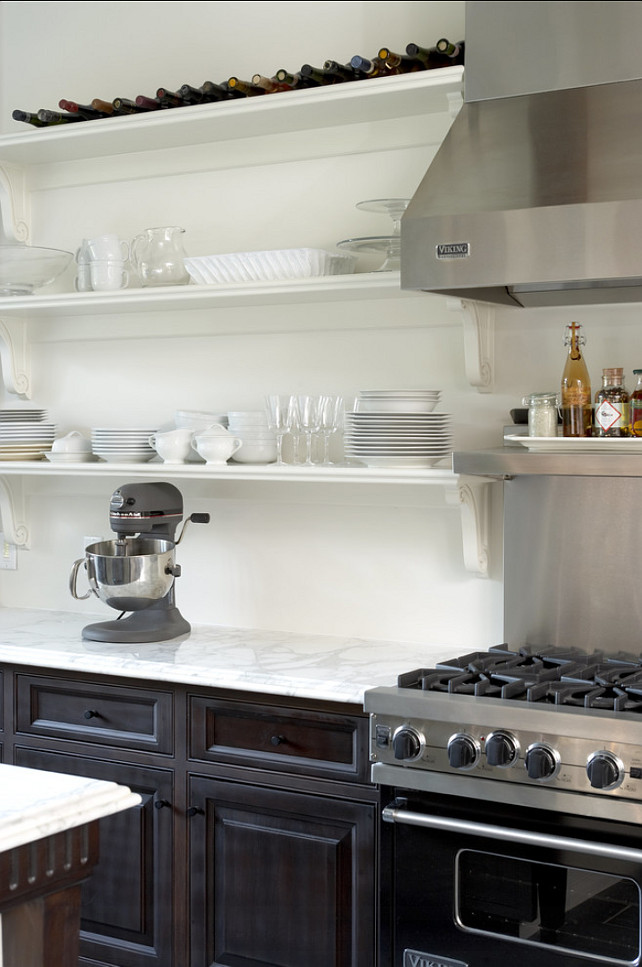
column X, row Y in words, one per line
column 542, row 413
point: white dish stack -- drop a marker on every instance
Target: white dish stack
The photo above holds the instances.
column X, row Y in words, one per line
column 122, row 444
column 24, row 433
column 259, row 442
column 397, row 428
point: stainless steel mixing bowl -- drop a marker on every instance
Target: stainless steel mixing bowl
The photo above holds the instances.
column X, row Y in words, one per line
column 128, row 575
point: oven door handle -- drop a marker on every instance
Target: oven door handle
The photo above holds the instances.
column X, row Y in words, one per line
column 394, row 813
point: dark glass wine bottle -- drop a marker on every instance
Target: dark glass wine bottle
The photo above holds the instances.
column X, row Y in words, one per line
column 245, row 87
column 455, row 52
column 56, row 117
column 29, row 118
column 347, row 71
column 370, row 67
column 149, row 103
column 167, row 98
column 429, row 56
column 218, row 92
column 321, row 75
column 295, row 81
column 88, row 112
column 105, row 106
column 400, row 63
column 126, row 106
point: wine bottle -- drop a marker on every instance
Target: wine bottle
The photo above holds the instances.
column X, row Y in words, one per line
column 370, row 67
column 576, row 387
column 29, row 118
column 56, row 117
column 347, row 71
column 150, row 103
column 245, row 87
column 295, row 81
column 322, row 75
column 88, row 112
column 456, row 52
column 400, row 63
column 218, row 92
column 429, row 56
column 167, row 98
column 126, row 106
column 269, row 84
column 105, row 106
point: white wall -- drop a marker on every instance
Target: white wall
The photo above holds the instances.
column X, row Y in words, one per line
column 375, row 562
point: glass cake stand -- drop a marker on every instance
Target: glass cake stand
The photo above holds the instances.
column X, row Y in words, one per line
column 389, row 245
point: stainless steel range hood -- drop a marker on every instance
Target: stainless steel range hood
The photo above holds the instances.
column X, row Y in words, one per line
column 535, row 196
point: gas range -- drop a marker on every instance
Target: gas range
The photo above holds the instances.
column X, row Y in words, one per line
column 553, row 728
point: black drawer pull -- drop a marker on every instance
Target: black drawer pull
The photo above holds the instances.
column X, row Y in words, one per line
column 194, row 811
column 161, row 803
column 278, row 740
column 91, row 714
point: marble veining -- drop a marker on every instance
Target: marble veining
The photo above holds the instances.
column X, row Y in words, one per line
column 279, row 663
column 35, row 804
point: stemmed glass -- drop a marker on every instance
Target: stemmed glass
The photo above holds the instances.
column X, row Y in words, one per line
column 310, row 416
column 283, row 418
column 331, row 421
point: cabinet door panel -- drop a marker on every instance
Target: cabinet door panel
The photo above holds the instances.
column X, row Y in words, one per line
column 280, row 878
column 126, row 905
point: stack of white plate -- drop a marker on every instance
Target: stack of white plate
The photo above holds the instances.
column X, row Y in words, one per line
column 198, row 419
column 259, row 441
column 122, row 445
column 24, row 433
column 397, row 428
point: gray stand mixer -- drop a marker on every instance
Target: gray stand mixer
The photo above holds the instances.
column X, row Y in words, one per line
column 136, row 572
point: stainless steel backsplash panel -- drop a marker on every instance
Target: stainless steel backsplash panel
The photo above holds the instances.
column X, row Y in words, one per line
column 572, row 562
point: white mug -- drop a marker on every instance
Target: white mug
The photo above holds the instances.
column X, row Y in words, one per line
column 106, row 247
column 173, row 446
column 216, row 447
column 106, row 276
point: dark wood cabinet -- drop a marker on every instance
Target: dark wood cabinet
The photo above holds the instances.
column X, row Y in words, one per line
column 256, row 838
column 277, row 877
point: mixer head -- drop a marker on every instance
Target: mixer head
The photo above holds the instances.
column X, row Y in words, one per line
column 147, row 509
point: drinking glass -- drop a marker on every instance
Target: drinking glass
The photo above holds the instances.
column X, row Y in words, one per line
column 310, row 422
column 331, row 421
column 283, row 418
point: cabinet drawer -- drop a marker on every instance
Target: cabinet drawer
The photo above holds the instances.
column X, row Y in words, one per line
column 310, row 742
column 112, row 715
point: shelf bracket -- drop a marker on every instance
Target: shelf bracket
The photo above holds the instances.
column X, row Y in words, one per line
column 12, row 513
column 14, row 357
column 14, row 222
column 479, row 342
column 472, row 496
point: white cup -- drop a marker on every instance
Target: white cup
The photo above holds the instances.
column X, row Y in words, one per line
column 73, row 442
column 216, row 447
column 106, row 276
column 106, row 248
column 173, row 446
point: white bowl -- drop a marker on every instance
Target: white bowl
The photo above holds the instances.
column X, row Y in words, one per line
column 256, row 453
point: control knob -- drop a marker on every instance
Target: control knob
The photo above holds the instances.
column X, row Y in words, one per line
column 406, row 743
column 502, row 749
column 540, row 761
column 463, row 751
column 604, row 770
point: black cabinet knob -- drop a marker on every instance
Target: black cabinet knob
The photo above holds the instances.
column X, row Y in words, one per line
column 278, row 740
column 194, row 811
column 161, row 804
column 91, row 713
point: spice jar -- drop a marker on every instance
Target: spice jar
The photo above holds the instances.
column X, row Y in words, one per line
column 542, row 413
column 612, row 405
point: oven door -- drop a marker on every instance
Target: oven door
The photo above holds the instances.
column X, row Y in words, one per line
column 478, row 884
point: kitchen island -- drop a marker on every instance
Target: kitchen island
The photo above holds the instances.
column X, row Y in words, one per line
column 48, row 847
column 250, row 752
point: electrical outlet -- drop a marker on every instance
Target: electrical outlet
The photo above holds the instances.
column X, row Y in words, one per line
column 8, row 555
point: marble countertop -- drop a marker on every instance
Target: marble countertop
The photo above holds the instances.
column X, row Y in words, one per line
column 35, row 804
column 278, row 663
